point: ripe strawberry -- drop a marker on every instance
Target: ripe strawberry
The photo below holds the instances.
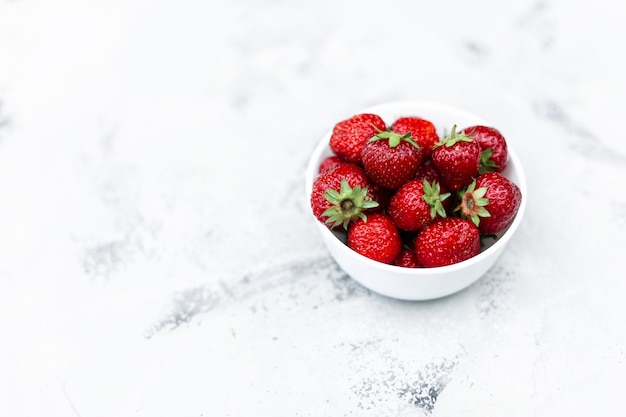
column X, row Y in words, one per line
column 427, row 171
column 349, row 136
column 446, row 242
column 457, row 159
column 391, row 159
column 330, row 162
column 417, row 203
column 381, row 195
column 340, row 195
column 407, row 258
column 423, row 132
column 493, row 145
column 491, row 202
column 376, row 238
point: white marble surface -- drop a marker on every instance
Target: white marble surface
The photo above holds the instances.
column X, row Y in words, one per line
column 156, row 253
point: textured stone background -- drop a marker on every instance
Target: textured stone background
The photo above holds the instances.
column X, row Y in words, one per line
column 157, row 257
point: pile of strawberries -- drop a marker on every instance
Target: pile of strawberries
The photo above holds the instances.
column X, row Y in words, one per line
column 407, row 197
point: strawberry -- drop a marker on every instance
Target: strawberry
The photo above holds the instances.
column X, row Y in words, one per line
column 391, row 159
column 447, row 241
column 490, row 202
column 340, row 195
column 381, row 195
column 330, row 162
column 376, row 238
column 349, row 136
column 457, row 159
column 427, row 171
column 423, row 132
column 407, row 258
column 417, row 203
column 493, row 145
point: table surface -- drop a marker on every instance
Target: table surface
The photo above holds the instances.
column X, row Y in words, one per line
column 158, row 255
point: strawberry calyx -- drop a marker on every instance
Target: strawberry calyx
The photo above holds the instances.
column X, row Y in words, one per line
column 453, row 138
column 433, row 197
column 473, row 203
column 486, row 163
column 347, row 204
column 394, row 138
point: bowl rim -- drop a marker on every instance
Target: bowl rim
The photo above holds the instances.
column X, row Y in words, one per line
column 322, row 145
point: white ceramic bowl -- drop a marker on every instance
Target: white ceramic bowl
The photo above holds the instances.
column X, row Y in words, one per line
column 418, row 283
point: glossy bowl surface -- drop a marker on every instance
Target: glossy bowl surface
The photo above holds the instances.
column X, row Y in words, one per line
column 421, row 283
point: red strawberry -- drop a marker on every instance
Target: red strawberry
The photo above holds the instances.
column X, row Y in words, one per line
column 423, row 132
column 427, row 171
column 416, row 203
column 381, row 195
column 376, row 238
column 330, row 162
column 407, row 258
column 340, row 195
column 457, row 159
column 493, row 145
column 446, row 242
column 349, row 136
column 491, row 202
column 391, row 159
